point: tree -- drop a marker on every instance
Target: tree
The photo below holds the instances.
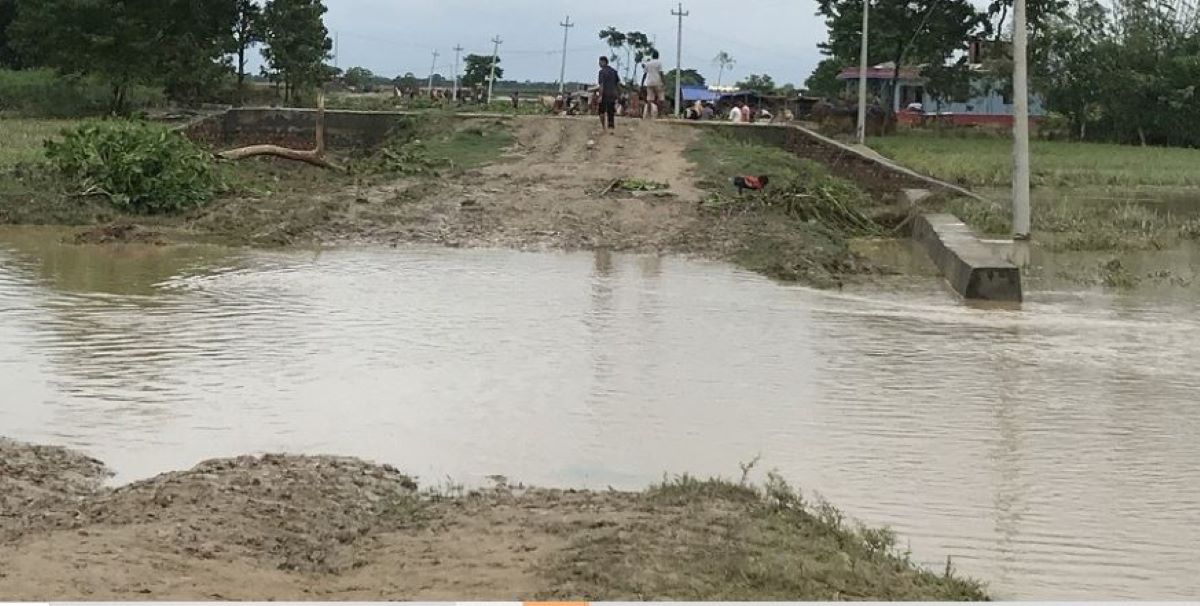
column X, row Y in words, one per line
column 691, row 77
column 247, row 32
column 478, row 69
column 178, row 43
column 723, row 61
column 947, row 83
column 407, row 82
column 637, row 47
column 903, row 32
column 8, row 55
column 360, row 78
column 297, row 43
column 762, row 84
column 824, row 82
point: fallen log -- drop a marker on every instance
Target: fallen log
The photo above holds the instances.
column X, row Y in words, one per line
column 315, row 157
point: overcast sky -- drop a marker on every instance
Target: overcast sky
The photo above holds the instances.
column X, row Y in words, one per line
column 391, row 37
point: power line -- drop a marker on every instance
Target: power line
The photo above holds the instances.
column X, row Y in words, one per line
column 562, row 73
column 433, row 68
column 458, row 49
column 495, row 55
column 679, row 59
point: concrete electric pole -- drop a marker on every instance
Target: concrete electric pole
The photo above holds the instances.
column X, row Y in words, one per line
column 1021, row 212
column 679, row 60
column 457, row 53
column 862, row 75
column 492, row 78
column 562, row 73
column 432, row 68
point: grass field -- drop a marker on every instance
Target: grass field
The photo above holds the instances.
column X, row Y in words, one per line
column 977, row 161
column 21, row 139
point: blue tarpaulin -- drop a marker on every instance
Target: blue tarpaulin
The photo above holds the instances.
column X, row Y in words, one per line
column 691, row 94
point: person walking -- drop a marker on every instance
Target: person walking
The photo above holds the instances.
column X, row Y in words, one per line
column 653, row 82
column 610, row 91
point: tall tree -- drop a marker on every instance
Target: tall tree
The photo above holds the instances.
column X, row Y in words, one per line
column 478, row 69
column 8, row 55
column 297, row 43
column 903, row 32
column 247, row 32
column 824, row 82
column 759, row 83
column 723, row 61
column 689, row 77
column 637, row 47
column 361, row 78
column 124, row 42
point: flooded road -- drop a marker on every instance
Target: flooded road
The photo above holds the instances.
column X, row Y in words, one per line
column 1053, row 451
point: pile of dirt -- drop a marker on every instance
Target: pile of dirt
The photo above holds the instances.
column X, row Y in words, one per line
column 294, row 513
column 36, row 479
column 119, row 233
column 282, row 527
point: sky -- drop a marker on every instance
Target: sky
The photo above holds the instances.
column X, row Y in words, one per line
column 391, row 37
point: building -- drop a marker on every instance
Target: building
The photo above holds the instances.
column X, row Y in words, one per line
column 987, row 105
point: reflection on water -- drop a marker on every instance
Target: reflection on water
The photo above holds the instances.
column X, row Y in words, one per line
column 1050, row 450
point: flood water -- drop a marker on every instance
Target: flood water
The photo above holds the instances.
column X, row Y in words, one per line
column 1052, row 450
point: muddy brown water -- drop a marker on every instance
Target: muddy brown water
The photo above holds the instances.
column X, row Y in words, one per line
column 1052, row 450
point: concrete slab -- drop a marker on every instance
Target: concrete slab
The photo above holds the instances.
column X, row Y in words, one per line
column 974, row 268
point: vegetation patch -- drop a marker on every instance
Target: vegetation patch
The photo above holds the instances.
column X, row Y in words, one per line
column 140, row 168
column 979, row 161
column 717, row 540
column 800, row 225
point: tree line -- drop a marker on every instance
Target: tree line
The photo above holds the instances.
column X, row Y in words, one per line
column 188, row 47
column 1119, row 70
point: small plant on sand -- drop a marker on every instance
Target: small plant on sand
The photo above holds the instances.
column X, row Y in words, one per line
column 141, row 168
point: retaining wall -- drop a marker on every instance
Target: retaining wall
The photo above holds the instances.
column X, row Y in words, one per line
column 294, row 127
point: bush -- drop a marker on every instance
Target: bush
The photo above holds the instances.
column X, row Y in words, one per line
column 43, row 93
column 141, row 168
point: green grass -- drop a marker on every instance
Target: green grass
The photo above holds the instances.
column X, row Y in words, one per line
column 717, row 540
column 799, row 228
column 471, row 144
column 979, row 161
column 23, row 139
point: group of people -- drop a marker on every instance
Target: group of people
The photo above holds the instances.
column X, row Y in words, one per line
column 611, row 101
column 745, row 113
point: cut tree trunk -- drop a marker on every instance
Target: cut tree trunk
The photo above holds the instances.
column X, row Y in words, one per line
column 315, row 156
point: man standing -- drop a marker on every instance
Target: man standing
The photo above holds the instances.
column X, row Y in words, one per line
column 652, row 80
column 610, row 91
column 735, row 115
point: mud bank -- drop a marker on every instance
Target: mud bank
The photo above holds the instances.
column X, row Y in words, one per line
column 532, row 183
column 291, row 527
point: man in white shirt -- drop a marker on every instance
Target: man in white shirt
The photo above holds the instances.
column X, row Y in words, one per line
column 735, row 115
column 652, row 79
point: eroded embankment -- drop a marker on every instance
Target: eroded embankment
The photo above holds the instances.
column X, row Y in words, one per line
column 282, row 527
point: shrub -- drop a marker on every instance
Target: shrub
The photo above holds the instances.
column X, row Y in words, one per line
column 42, row 93
column 141, row 168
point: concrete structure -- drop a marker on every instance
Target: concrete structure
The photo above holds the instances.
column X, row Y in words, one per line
column 296, row 127
column 975, row 269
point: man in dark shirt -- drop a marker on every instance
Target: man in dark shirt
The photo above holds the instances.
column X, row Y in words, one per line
column 610, row 91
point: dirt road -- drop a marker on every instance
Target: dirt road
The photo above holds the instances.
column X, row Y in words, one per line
column 281, row 527
column 549, row 192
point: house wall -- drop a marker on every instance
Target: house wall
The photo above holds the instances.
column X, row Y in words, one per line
column 992, row 104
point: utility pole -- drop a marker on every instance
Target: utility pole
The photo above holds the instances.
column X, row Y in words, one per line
column 679, row 60
column 337, row 39
column 862, row 75
column 562, row 74
column 1021, row 211
column 492, row 78
column 457, row 53
column 432, row 68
